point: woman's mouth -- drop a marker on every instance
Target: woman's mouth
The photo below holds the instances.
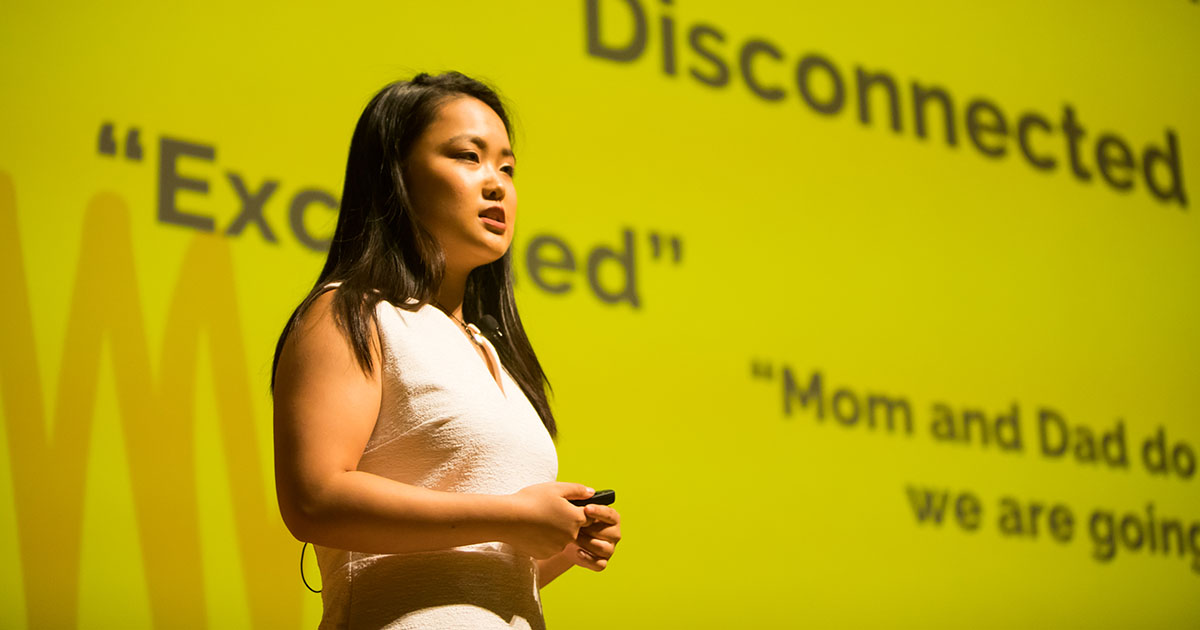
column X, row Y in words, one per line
column 493, row 219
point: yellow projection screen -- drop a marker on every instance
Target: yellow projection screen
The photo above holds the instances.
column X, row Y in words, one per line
column 874, row 314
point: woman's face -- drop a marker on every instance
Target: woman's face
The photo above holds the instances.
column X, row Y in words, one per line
column 460, row 182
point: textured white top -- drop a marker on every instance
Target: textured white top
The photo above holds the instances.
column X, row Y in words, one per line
column 444, row 423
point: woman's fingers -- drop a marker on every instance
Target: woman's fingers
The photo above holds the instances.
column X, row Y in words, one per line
column 597, row 547
column 604, row 524
column 602, row 530
column 602, row 513
column 597, row 540
column 587, row 559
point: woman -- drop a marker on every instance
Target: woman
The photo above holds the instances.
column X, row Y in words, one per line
column 414, row 453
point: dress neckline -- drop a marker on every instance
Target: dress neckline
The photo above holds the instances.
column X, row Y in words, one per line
column 490, row 356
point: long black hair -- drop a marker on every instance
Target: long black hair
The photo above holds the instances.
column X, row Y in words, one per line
column 380, row 252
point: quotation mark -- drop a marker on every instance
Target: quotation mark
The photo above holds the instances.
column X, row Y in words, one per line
column 106, row 143
column 656, row 247
column 762, row 370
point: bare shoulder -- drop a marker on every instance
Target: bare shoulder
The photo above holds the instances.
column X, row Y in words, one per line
column 317, row 347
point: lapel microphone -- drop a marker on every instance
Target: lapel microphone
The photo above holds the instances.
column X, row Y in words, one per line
column 491, row 326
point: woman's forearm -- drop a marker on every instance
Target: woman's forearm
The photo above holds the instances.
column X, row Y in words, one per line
column 554, row 566
column 364, row 512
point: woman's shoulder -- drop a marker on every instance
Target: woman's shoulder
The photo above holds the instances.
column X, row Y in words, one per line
column 318, row 307
column 324, row 309
column 324, row 299
column 318, row 347
column 317, row 320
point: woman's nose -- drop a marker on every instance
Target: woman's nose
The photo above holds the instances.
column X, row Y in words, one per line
column 493, row 187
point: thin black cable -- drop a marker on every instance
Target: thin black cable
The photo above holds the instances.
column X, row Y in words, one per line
column 302, row 548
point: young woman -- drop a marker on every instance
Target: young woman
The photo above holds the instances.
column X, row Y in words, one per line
column 411, row 450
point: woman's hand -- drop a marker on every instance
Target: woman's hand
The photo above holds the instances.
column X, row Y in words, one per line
column 597, row 541
column 545, row 521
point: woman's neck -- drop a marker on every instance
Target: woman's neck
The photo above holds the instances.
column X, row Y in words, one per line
column 451, row 291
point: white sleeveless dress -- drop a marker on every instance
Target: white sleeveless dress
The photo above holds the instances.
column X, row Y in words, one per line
column 446, row 424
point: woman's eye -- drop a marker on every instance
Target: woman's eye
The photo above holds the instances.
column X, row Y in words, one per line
column 509, row 169
column 469, row 155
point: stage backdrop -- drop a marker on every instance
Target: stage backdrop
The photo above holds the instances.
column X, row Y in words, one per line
column 883, row 315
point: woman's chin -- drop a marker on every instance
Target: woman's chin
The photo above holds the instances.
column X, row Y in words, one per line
column 482, row 254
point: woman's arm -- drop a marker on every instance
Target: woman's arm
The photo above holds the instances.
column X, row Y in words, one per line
column 556, row 565
column 325, row 411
